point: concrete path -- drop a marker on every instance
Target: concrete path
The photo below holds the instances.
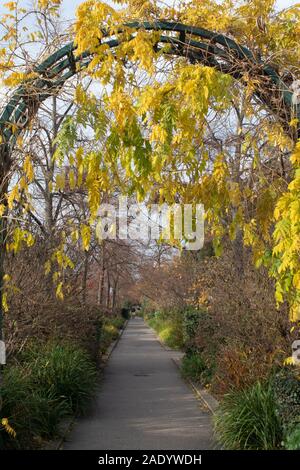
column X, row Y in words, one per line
column 142, row 403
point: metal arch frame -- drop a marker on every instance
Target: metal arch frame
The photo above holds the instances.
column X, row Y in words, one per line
column 215, row 50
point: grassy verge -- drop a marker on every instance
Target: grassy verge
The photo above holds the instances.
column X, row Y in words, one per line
column 168, row 328
column 110, row 331
column 194, row 367
column 52, row 382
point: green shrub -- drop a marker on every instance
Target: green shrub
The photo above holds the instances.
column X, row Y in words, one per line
column 171, row 337
column 286, row 385
column 118, row 322
column 292, row 440
column 65, row 372
column 196, row 368
column 193, row 365
column 16, row 407
column 110, row 331
column 247, row 419
column 191, row 318
column 168, row 326
column 125, row 312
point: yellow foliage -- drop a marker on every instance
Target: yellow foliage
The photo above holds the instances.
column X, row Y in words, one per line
column 8, row 428
column 28, row 168
column 85, row 231
column 15, row 78
column 48, row 3
column 13, row 196
column 4, row 302
column 92, row 16
column 60, row 181
column 11, row 6
column 287, row 241
column 59, row 291
column 72, row 179
column 158, row 121
column 140, row 49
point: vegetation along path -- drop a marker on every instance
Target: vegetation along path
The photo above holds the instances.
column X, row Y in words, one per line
column 143, row 403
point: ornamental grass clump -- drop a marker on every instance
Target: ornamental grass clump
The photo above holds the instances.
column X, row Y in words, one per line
column 248, row 420
column 66, row 372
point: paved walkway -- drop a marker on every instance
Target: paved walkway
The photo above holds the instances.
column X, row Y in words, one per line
column 142, row 402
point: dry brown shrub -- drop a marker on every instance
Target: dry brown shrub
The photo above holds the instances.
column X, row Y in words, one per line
column 36, row 313
column 248, row 334
column 239, row 366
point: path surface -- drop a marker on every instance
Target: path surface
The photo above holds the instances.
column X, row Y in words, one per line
column 142, row 403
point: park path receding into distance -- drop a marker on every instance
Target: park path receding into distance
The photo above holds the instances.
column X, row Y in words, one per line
column 142, row 402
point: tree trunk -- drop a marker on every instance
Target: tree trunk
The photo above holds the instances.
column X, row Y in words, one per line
column 85, row 276
column 108, row 291
column 114, row 293
column 101, row 285
column 238, row 253
column 101, row 277
column 238, row 242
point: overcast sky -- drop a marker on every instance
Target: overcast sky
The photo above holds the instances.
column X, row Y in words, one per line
column 69, row 6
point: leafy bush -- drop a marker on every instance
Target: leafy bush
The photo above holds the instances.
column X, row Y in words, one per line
column 286, row 386
column 193, row 365
column 239, row 367
column 205, row 335
column 110, row 331
column 196, row 368
column 191, row 318
column 247, row 419
column 292, row 440
column 125, row 312
column 242, row 328
column 118, row 322
column 168, row 325
column 169, row 335
column 127, row 308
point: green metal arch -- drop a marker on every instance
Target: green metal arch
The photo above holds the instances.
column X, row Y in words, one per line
column 215, row 50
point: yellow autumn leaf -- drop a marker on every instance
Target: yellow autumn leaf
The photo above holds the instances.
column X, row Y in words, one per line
column 85, row 231
column 72, row 179
column 11, row 6
column 4, row 302
column 296, row 280
column 59, row 291
column 2, row 209
column 8, row 428
column 28, row 168
column 289, row 361
column 13, row 196
column 60, row 181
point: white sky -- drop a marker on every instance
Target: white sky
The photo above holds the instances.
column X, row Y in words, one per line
column 69, row 6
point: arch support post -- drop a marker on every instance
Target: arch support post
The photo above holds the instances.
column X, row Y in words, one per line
column 5, row 159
